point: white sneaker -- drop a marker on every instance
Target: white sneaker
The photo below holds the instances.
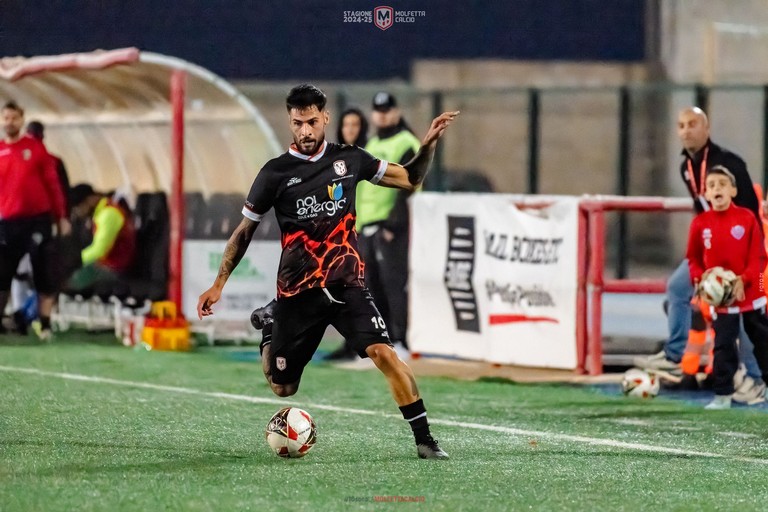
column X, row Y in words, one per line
column 718, row 403
column 739, row 376
column 750, row 392
column 661, row 366
column 641, row 361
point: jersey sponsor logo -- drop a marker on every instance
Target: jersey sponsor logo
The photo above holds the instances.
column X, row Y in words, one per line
column 706, row 235
column 280, row 363
column 339, row 167
column 737, row 231
column 293, row 181
column 310, row 207
column 335, row 191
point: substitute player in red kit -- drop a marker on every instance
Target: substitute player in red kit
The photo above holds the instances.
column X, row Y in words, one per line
column 320, row 280
column 728, row 236
column 31, row 200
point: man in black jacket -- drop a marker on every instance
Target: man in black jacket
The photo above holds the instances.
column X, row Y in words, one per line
column 700, row 154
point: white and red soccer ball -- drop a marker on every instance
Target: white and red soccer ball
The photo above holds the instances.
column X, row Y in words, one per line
column 640, row 383
column 291, row 432
column 716, row 286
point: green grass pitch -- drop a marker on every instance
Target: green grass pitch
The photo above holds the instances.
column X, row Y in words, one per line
column 86, row 424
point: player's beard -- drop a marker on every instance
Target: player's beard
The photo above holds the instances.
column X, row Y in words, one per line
column 305, row 150
column 11, row 132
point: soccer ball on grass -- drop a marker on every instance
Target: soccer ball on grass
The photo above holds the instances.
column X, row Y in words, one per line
column 640, row 383
column 291, row 432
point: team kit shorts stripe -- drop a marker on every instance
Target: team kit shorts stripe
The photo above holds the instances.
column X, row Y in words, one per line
column 300, row 322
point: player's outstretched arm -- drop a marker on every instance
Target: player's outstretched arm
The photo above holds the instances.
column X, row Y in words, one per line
column 233, row 253
column 412, row 174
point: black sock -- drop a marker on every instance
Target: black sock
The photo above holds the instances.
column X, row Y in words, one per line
column 45, row 323
column 266, row 337
column 416, row 416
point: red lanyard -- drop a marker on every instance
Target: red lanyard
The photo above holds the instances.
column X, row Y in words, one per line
column 698, row 190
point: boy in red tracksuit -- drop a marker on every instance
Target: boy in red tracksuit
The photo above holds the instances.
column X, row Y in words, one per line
column 729, row 236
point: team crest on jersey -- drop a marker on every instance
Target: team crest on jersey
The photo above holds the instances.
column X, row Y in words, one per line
column 280, row 363
column 26, row 154
column 737, row 231
column 339, row 167
column 706, row 235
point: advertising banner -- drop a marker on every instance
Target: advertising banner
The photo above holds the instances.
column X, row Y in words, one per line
column 490, row 281
column 251, row 285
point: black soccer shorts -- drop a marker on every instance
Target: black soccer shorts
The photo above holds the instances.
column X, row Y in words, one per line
column 300, row 322
column 30, row 235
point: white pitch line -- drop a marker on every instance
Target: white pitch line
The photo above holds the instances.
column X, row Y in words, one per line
column 436, row 421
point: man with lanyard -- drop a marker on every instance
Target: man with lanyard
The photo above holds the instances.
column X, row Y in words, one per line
column 700, row 154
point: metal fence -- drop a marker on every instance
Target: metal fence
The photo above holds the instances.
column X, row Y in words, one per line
column 587, row 140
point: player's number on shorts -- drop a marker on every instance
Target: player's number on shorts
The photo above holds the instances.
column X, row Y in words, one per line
column 378, row 322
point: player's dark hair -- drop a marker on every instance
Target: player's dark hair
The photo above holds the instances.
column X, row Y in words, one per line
column 723, row 171
column 12, row 105
column 305, row 96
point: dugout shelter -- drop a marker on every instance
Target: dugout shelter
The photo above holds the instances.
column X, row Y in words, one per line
column 158, row 128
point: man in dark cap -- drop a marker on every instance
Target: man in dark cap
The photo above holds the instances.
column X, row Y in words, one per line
column 383, row 220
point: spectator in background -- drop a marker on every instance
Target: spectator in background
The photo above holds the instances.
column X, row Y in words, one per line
column 21, row 287
column 31, row 199
column 383, row 219
column 728, row 236
column 352, row 130
column 113, row 249
column 700, row 154
column 36, row 130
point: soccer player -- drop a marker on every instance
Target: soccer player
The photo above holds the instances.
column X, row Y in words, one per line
column 320, row 279
column 728, row 236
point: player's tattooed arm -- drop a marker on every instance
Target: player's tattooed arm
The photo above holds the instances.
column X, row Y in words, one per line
column 418, row 166
column 236, row 246
column 412, row 174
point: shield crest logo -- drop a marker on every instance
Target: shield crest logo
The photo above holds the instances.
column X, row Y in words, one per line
column 280, row 363
column 383, row 17
column 738, row 231
column 339, row 167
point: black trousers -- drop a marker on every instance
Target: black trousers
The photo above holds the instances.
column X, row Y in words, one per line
column 28, row 235
column 726, row 352
column 386, row 276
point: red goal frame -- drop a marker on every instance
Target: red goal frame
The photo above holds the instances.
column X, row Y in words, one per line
column 592, row 284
